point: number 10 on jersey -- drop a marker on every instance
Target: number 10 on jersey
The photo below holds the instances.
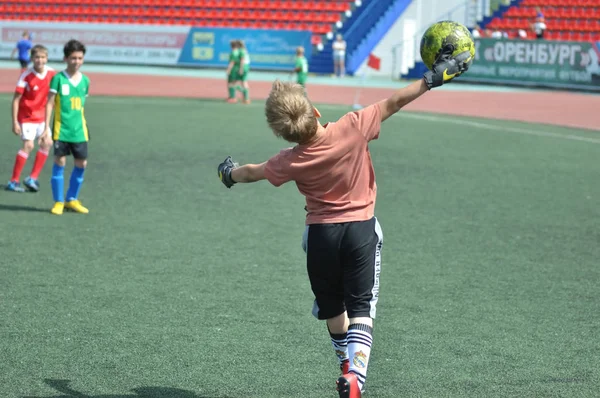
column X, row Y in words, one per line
column 76, row 103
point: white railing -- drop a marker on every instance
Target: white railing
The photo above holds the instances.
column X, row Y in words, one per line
column 406, row 53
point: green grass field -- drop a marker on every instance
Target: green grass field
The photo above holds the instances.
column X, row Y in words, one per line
column 175, row 287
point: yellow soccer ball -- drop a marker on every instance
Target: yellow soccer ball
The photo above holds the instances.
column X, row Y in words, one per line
column 442, row 33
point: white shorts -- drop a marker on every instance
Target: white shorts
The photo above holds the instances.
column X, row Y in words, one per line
column 32, row 131
column 339, row 56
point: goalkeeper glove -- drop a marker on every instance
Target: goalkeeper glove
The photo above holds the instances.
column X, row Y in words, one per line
column 224, row 171
column 446, row 67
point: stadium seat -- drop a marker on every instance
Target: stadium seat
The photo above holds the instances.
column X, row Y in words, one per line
column 316, row 16
column 565, row 19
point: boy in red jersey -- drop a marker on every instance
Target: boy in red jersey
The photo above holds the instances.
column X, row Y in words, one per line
column 29, row 112
column 331, row 166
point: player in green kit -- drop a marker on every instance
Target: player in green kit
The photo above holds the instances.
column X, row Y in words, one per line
column 66, row 100
column 301, row 68
column 244, row 69
column 232, row 70
column 239, row 66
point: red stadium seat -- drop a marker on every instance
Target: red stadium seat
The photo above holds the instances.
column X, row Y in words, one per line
column 565, row 19
column 317, row 16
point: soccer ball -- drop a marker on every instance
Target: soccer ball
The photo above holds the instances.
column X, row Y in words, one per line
column 442, row 33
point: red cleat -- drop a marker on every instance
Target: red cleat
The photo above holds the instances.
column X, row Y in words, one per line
column 345, row 366
column 347, row 386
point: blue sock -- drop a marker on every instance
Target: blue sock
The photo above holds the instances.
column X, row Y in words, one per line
column 75, row 183
column 58, row 183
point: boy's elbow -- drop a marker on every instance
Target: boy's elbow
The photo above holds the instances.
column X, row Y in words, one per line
column 390, row 107
column 398, row 104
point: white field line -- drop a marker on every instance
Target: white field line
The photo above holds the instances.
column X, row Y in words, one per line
column 501, row 129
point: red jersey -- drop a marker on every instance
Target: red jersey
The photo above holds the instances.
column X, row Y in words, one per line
column 33, row 88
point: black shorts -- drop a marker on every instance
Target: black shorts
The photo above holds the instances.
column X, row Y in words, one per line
column 344, row 262
column 23, row 63
column 78, row 149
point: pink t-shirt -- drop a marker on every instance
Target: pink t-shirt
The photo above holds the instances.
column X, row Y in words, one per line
column 334, row 172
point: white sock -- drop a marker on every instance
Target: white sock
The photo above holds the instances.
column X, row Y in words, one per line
column 360, row 339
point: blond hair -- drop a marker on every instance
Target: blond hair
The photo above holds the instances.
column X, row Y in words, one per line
column 290, row 114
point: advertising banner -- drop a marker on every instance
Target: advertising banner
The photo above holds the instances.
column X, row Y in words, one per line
column 160, row 45
column 106, row 43
column 561, row 64
column 268, row 49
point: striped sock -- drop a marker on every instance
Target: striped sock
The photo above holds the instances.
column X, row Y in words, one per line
column 360, row 338
column 340, row 346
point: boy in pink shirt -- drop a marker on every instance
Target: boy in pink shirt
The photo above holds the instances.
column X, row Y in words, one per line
column 331, row 166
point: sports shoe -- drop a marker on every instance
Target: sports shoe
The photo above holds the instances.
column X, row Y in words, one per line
column 31, row 184
column 232, row 100
column 347, row 386
column 76, row 206
column 14, row 187
column 247, row 102
column 57, row 208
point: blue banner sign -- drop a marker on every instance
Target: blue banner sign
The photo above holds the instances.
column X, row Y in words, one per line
column 268, row 49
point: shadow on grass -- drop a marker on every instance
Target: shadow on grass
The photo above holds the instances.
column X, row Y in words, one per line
column 24, row 208
column 62, row 386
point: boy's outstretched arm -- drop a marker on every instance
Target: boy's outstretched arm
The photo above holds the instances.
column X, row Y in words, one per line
column 249, row 173
column 231, row 173
column 402, row 97
column 445, row 68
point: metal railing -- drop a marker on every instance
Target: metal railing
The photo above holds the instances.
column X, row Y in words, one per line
column 402, row 62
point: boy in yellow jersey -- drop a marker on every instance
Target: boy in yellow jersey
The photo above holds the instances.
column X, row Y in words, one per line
column 68, row 92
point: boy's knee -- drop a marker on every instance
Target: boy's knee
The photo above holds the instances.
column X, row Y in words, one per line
column 28, row 146
column 81, row 163
column 60, row 160
column 46, row 143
